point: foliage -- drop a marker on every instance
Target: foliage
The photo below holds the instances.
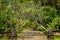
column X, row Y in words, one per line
column 24, row 14
column 55, row 22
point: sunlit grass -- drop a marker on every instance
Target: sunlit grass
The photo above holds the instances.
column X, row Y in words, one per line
column 56, row 38
column 4, row 38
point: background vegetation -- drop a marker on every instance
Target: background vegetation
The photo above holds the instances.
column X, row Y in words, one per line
column 25, row 14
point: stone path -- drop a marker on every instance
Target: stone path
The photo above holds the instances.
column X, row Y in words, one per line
column 34, row 38
column 32, row 35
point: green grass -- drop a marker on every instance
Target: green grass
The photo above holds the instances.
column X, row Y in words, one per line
column 56, row 38
column 4, row 38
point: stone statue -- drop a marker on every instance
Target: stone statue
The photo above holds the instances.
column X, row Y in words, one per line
column 12, row 34
column 50, row 34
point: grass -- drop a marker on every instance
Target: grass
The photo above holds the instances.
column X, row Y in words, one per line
column 4, row 38
column 56, row 38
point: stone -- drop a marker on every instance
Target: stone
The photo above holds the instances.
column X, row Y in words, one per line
column 31, row 35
